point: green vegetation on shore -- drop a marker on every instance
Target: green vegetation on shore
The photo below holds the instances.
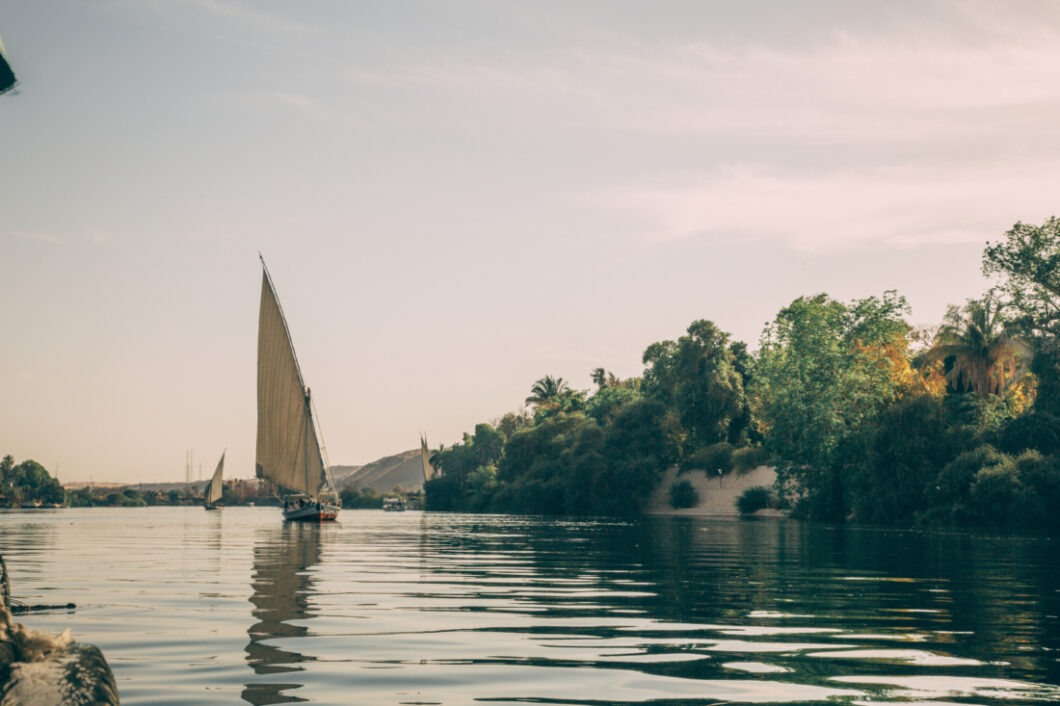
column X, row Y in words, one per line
column 234, row 492
column 864, row 417
column 27, row 483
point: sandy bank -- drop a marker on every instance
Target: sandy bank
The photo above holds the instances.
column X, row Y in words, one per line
column 717, row 496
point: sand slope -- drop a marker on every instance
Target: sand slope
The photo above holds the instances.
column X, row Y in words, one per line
column 404, row 469
column 716, row 497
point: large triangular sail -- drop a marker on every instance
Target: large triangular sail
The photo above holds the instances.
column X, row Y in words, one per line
column 288, row 451
column 213, row 491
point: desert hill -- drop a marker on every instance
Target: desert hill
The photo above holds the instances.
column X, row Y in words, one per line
column 402, row 469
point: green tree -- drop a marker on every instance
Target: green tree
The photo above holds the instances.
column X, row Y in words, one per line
column 1028, row 263
column 910, row 443
column 697, row 376
column 609, row 400
column 1028, row 260
column 825, row 371
column 35, row 484
column 130, row 497
column 511, row 422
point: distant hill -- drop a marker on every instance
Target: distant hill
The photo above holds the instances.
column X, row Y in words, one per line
column 404, row 469
column 164, row 487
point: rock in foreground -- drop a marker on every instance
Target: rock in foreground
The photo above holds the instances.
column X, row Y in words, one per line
column 38, row 669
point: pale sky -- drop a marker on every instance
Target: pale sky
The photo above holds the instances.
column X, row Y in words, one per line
column 457, row 198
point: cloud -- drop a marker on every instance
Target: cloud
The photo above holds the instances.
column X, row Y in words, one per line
column 926, row 85
column 305, row 105
column 245, row 14
column 39, row 237
column 895, row 207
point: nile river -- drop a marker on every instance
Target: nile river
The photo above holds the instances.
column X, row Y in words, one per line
column 231, row 607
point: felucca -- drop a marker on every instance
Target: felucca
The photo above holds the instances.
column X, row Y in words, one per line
column 212, row 495
column 288, row 449
column 425, row 458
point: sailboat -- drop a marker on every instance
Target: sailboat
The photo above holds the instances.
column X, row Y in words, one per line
column 213, row 491
column 425, row 457
column 288, row 450
column 7, row 76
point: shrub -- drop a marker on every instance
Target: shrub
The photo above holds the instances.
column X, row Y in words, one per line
column 1035, row 507
column 994, row 492
column 682, row 494
column 955, row 480
column 748, row 457
column 1038, row 430
column 710, row 459
column 354, row 498
column 754, row 499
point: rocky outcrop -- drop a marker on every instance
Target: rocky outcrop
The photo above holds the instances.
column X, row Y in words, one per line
column 38, row 669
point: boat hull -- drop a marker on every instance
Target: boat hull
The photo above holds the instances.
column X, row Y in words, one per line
column 312, row 512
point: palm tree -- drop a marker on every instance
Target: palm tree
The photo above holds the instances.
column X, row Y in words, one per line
column 436, row 457
column 604, row 378
column 548, row 392
column 599, row 376
column 978, row 345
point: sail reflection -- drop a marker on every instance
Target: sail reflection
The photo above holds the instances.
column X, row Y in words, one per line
column 283, row 589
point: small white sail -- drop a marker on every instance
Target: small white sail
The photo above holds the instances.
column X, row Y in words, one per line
column 425, row 457
column 288, row 452
column 213, row 491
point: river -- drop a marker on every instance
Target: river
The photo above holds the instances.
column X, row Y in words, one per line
column 235, row 607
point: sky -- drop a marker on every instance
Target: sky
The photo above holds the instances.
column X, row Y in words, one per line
column 455, row 199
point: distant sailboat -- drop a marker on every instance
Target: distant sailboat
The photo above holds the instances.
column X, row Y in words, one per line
column 288, row 450
column 213, row 491
column 425, row 457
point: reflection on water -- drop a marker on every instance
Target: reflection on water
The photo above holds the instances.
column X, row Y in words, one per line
column 412, row 608
column 282, row 587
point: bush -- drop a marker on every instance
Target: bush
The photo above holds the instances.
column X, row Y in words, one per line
column 994, row 492
column 955, row 480
column 1038, row 430
column 894, row 480
column 682, row 494
column 1035, row 507
column 753, row 499
column 358, row 498
column 710, row 459
column 748, row 457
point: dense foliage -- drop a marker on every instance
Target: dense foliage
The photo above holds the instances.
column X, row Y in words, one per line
column 27, row 484
column 863, row 417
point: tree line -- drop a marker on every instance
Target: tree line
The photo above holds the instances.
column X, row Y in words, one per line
column 864, row 416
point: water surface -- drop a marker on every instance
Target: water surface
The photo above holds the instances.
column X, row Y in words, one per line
column 231, row 607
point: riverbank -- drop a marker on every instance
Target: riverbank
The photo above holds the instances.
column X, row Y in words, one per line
column 717, row 495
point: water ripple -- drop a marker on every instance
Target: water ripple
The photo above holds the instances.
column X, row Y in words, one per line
column 411, row 608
